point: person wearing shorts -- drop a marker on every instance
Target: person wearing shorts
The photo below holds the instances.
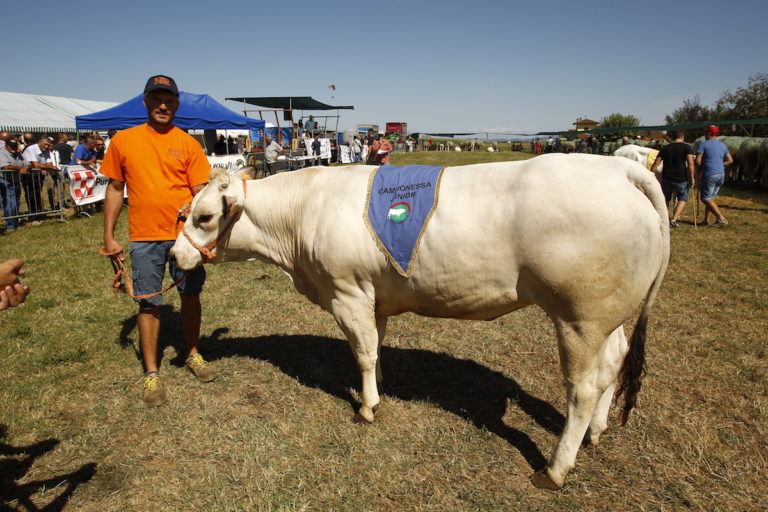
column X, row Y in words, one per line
column 712, row 156
column 677, row 174
column 163, row 168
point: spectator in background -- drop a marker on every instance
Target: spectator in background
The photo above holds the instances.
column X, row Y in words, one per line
column 220, row 148
column 64, row 149
column 4, row 136
column 38, row 158
column 100, row 149
column 677, row 175
column 85, row 154
column 356, row 147
column 380, row 150
column 11, row 164
column 712, row 156
column 28, row 139
column 12, row 292
column 110, row 134
column 272, row 151
column 310, row 125
column 596, row 145
column 316, row 146
column 232, row 148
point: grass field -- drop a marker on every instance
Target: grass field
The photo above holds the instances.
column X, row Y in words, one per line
column 469, row 409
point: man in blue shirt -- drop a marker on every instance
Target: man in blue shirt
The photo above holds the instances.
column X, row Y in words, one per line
column 85, row 154
column 712, row 156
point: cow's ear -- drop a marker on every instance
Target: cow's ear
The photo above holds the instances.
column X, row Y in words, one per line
column 246, row 173
column 220, row 177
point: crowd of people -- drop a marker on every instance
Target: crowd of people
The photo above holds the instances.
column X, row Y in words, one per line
column 27, row 161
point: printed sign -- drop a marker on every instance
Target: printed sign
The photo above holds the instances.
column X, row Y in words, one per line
column 325, row 147
column 402, row 200
column 86, row 185
column 229, row 162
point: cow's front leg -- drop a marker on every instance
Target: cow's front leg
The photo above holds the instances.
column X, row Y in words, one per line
column 355, row 316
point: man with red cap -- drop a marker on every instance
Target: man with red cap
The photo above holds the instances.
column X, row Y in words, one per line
column 712, row 156
column 162, row 167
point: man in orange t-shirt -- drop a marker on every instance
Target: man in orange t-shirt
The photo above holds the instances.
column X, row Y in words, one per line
column 163, row 168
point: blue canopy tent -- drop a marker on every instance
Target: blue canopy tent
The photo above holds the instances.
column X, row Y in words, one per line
column 196, row 112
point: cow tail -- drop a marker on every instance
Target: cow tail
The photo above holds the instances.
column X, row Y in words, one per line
column 633, row 368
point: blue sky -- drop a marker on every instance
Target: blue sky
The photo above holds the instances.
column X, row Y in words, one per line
column 499, row 66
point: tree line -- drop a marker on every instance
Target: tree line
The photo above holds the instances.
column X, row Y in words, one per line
column 748, row 102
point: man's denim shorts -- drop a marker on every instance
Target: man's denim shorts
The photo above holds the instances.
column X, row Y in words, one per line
column 148, row 260
column 679, row 188
column 710, row 186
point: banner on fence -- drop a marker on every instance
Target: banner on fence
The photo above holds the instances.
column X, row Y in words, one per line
column 229, row 162
column 86, row 185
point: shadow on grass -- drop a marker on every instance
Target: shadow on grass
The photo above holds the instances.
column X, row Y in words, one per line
column 170, row 335
column 15, row 462
column 462, row 387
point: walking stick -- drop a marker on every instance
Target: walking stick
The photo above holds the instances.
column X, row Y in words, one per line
column 695, row 202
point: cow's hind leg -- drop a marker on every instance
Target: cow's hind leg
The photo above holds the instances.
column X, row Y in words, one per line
column 581, row 347
column 356, row 318
column 381, row 328
column 615, row 351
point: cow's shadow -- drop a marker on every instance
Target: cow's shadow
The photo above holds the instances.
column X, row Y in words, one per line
column 460, row 386
column 16, row 461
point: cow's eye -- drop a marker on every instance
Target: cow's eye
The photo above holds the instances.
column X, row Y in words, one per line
column 203, row 219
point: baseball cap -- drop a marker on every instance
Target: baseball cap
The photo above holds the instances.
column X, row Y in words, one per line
column 161, row 82
column 713, row 130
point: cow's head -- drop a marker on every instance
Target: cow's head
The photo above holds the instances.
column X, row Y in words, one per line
column 213, row 212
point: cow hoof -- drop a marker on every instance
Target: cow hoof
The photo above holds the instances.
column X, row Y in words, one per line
column 542, row 480
column 363, row 416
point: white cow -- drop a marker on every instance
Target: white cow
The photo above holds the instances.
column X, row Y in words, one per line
column 641, row 154
column 584, row 237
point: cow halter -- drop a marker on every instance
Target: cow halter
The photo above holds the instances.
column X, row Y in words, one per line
column 208, row 251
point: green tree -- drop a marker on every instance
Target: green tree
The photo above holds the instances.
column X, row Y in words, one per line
column 747, row 102
column 617, row 120
column 692, row 111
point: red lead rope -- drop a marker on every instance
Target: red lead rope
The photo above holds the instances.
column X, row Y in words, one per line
column 118, row 285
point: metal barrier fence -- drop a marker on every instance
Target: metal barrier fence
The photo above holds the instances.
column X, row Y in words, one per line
column 32, row 196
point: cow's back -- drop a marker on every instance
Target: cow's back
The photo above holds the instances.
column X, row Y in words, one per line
column 503, row 235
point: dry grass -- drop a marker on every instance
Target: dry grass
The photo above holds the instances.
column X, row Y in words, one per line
column 469, row 409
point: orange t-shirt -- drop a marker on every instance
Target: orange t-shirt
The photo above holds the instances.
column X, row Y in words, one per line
column 159, row 170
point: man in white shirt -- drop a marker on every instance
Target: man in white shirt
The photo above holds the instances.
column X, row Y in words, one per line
column 271, row 153
column 38, row 157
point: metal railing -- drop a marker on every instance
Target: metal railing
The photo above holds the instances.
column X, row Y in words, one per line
column 32, row 197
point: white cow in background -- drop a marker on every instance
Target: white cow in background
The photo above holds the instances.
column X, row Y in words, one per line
column 584, row 237
column 640, row 154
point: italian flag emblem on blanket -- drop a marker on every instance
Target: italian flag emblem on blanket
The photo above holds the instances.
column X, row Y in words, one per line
column 398, row 212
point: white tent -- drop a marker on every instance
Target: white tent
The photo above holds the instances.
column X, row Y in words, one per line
column 38, row 113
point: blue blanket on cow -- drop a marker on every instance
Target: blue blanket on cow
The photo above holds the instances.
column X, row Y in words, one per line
column 400, row 203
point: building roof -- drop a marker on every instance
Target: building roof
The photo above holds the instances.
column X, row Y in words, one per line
column 289, row 102
column 22, row 112
column 586, row 121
